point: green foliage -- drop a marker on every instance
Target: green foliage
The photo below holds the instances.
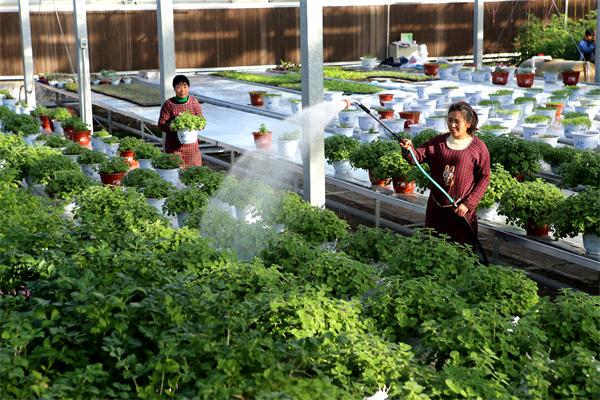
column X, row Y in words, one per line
column 91, row 157
column 578, row 213
column 537, row 119
column 167, row 161
column 60, row 114
column 5, row 113
column 157, row 188
column 113, row 166
column 73, row 148
column 188, row 121
column 22, row 125
column 138, row 177
column 146, row 151
column 552, row 36
column 57, row 142
column 203, row 177
column 41, row 111
column 394, row 165
column 583, row 169
column 370, row 244
column 517, row 156
column 247, row 193
column 524, row 99
column 558, row 155
column 262, row 129
column 339, row 148
column 183, row 200
column 368, row 154
column 110, row 139
column 129, row 143
column 66, row 184
column 500, row 182
column 533, row 201
column 578, row 120
column 424, row 136
column 41, row 171
column 102, row 133
column 291, row 135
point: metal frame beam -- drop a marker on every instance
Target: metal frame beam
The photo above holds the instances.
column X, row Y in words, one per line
column 166, row 47
column 83, row 62
column 27, row 53
column 478, row 32
column 597, row 71
column 311, row 47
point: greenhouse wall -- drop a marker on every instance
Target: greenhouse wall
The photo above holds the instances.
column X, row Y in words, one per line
column 126, row 40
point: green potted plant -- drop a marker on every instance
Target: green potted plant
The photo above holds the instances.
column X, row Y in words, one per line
column 525, row 77
column 127, row 146
column 368, row 61
column 167, row 165
column 41, row 170
column 369, row 135
column 500, row 76
column 338, row 150
column 296, row 105
column 188, row 126
column 74, row 150
column 344, row 129
column 288, row 143
column 518, row 156
column 495, row 129
column 156, row 192
column 113, row 170
column 182, row 202
column 403, row 174
column 271, row 100
column 263, row 137
column 582, row 169
column 256, row 97
column 98, row 140
column 66, row 184
column 368, row 154
column 424, row 136
column 80, row 133
column 144, row 153
column 203, row 178
column 500, row 182
column 57, row 142
column 90, row 161
column 538, row 119
column 138, row 178
column 531, row 205
column 60, row 114
column 580, row 214
column 545, row 110
column 504, row 96
column 43, row 113
column 526, row 103
column 23, row 125
column 110, row 145
column 573, row 124
column 489, row 103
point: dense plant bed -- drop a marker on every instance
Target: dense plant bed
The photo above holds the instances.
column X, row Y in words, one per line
column 139, row 93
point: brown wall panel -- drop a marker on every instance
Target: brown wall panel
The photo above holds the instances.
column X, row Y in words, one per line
column 127, row 40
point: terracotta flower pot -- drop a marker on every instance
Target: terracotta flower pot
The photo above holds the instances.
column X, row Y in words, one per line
column 256, row 98
column 46, row 123
column 385, row 97
column 430, row 69
column 571, row 77
column 500, row 78
column 525, row 80
column 401, row 186
column 559, row 108
column 112, row 179
column 263, row 140
column 83, row 138
column 129, row 156
column 68, row 132
column 386, row 114
column 410, row 117
column 379, row 182
column 534, row 229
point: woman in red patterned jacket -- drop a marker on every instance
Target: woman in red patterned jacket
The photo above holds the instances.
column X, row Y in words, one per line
column 460, row 163
column 189, row 153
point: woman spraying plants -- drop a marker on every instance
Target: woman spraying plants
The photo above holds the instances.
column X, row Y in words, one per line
column 460, row 163
column 180, row 103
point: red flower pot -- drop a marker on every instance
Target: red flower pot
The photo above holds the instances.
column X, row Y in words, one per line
column 533, row 229
column 256, row 98
column 401, row 186
column 571, row 77
column 559, row 108
column 263, row 140
column 83, row 138
column 431, row 69
column 386, row 114
column 129, row 156
column 46, row 123
column 500, row 78
column 525, row 80
column 385, row 97
column 68, row 132
column 411, row 117
column 379, row 182
column 112, row 179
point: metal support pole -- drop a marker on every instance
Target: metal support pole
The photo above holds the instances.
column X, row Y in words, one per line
column 27, row 53
column 377, row 213
column 387, row 36
column 478, row 32
column 83, row 62
column 566, row 11
column 166, row 47
column 110, row 121
column 597, row 69
column 311, row 45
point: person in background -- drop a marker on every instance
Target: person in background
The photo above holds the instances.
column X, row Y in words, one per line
column 460, row 163
column 189, row 153
column 587, row 46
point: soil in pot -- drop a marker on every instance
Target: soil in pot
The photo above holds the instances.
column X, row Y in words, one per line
column 386, row 114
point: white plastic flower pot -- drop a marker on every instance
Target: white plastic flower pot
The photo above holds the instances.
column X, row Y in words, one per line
column 445, row 73
column 438, row 123
column 341, row 167
column 271, row 101
column 396, row 105
column 590, row 111
column 571, row 129
column 504, row 99
column 490, row 214
column 478, row 76
column 349, row 131
column 585, row 140
column 287, row 148
column 396, row 124
column 418, row 128
column 483, row 113
column 530, row 130
column 73, row 157
column 182, row 218
column 591, row 244
column 348, row 117
column 145, row 163
column 115, row 81
column 98, row 145
column 548, row 139
column 333, row 96
column 30, row 139
column 296, row 106
column 366, row 121
column 156, row 203
column 111, row 149
column 169, row 175
column 464, row 76
column 548, row 113
column 550, row 77
column 368, row 62
column 367, row 137
column 91, row 171
column 127, row 81
column 188, row 136
column 58, row 129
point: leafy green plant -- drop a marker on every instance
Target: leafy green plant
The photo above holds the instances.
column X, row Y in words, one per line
column 523, row 100
column 57, row 142
column 579, row 121
column 91, row 157
column 189, row 199
column 582, row 169
column 110, row 140
column 491, row 103
column 129, row 143
column 79, row 126
column 262, row 129
column 424, row 136
column 188, row 121
column 291, row 135
column 533, row 202
column 138, row 177
column 538, row 119
column 500, row 182
column 508, row 112
column 368, row 154
column 578, row 213
column 502, row 92
column 22, row 125
column 208, row 180
column 41, row 111
column 66, row 184
column 42, row 170
column 60, row 114
column 74, row 149
column 146, row 151
column 113, row 165
column 102, row 133
column 339, row 148
column 394, row 165
column 157, row 188
column 167, row 161
column 519, row 157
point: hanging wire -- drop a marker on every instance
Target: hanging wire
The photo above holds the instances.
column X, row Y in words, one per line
column 62, row 33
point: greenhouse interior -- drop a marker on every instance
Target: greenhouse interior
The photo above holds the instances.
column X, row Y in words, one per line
column 280, row 199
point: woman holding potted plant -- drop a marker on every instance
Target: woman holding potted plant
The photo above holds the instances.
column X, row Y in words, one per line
column 460, row 163
column 181, row 102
